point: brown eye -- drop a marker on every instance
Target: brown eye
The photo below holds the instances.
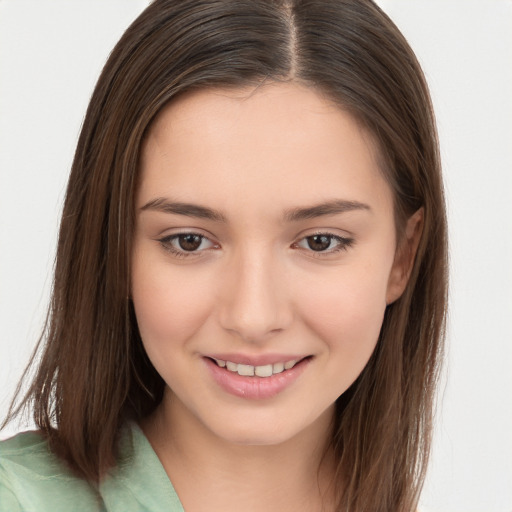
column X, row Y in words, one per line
column 325, row 244
column 186, row 244
column 189, row 242
column 319, row 242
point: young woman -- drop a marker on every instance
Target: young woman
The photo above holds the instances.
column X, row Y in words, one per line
column 250, row 285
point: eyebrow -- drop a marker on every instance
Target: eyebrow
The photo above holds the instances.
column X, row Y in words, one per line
column 328, row 208
column 334, row 207
column 160, row 204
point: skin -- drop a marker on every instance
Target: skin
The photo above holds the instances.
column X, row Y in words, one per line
column 255, row 286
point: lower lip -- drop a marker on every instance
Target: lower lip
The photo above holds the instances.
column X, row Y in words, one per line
column 255, row 388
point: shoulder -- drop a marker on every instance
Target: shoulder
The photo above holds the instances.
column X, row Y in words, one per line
column 32, row 478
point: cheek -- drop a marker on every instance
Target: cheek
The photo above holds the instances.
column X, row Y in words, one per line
column 346, row 311
column 167, row 306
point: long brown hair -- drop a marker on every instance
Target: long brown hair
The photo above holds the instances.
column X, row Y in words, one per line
column 93, row 374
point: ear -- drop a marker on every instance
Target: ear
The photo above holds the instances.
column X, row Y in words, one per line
column 404, row 257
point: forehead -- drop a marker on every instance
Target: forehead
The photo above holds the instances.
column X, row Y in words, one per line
column 255, row 108
column 285, row 141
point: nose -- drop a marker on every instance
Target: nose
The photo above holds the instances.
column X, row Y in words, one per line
column 255, row 301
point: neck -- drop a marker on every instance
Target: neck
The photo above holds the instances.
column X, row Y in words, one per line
column 211, row 473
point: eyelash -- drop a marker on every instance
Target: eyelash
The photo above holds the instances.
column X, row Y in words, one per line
column 343, row 244
column 166, row 243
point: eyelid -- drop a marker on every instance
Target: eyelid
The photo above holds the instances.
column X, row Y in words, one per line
column 185, row 230
column 344, row 243
column 166, row 241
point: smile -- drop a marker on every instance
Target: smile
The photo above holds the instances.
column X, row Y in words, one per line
column 256, row 381
column 247, row 370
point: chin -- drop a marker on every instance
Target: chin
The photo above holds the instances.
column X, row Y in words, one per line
column 252, row 437
column 262, row 429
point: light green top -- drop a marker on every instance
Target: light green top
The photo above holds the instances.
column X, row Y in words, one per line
column 33, row 479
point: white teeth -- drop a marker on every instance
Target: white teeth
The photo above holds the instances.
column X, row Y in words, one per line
column 247, row 370
column 278, row 368
column 263, row 371
column 232, row 367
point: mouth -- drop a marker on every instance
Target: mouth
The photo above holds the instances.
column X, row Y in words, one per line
column 261, row 371
column 258, row 381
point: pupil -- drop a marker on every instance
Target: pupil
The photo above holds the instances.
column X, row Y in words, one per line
column 190, row 242
column 319, row 242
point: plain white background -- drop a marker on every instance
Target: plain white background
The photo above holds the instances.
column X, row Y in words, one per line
column 51, row 52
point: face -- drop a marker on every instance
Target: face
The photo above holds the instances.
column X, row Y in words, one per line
column 263, row 259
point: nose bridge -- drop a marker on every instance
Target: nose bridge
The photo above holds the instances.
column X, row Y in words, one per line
column 255, row 299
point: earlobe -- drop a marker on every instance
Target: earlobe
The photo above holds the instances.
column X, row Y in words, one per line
column 404, row 257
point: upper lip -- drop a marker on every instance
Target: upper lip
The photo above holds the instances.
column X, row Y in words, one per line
column 260, row 360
